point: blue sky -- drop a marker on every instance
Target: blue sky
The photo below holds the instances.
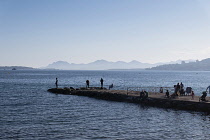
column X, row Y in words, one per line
column 38, row 32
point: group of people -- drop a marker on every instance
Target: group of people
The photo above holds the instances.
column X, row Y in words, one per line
column 179, row 91
column 179, row 88
column 88, row 83
column 143, row 95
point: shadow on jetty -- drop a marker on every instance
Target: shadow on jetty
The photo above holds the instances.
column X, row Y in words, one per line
column 71, row 90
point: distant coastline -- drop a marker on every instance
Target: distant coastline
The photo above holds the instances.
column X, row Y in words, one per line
column 15, row 68
column 203, row 65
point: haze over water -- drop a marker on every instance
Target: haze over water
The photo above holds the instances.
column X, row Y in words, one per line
column 28, row 111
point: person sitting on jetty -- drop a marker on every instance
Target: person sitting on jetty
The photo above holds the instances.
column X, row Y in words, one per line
column 111, row 86
column 143, row 95
column 203, row 97
column 167, row 94
column 87, row 83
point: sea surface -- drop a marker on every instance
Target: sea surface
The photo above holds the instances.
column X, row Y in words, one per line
column 29, row 112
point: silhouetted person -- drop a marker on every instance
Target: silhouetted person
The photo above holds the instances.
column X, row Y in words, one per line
column 181, row 85
column 142, row 94
column 87, row 83
column 177, row 88
column 167, row 94
column 203, row 97
column 56, row 82
column 102, row 82
column 193, row 94
column 111, row 86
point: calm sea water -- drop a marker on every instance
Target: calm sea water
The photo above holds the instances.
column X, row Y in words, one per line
column 28, row 111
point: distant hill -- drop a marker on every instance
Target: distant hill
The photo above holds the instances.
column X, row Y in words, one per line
column 15, row 68
column 59, row 64
column 203, row 65
column 99, row 65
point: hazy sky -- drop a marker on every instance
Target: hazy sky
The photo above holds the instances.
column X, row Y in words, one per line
column 38, row 32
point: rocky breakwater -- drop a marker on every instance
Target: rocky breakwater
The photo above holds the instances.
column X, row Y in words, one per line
column 95, row 92
column 66, row 91
column 122, row 96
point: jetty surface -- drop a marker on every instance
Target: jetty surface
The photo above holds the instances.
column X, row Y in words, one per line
column 154, row 99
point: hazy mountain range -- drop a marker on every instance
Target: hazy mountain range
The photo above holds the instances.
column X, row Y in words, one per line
column 182, row 65
column 105, row 65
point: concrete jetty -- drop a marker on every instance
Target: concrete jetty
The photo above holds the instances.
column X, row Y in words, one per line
column 154, row 99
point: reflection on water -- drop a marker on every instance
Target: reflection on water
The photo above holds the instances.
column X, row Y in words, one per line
column 27, row 111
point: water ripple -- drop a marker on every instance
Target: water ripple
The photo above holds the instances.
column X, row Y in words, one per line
column 27, row 111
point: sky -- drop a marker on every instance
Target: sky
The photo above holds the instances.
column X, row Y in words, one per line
column 36, row 33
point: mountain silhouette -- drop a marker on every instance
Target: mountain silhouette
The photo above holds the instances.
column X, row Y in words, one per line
column 106, row 65
column 99, row 65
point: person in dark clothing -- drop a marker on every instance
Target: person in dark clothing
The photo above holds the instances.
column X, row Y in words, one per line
column 178, row 87
column 87, row 83
column 193, row 94
column 167, row 94
column 142, row 94
column 203, row 97
column 111, row 86
column 181, row 85
column 56, row 82
column 102, row 82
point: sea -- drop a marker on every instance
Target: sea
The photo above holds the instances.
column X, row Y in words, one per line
column 29, row 112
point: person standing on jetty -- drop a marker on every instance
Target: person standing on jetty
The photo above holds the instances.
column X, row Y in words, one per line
column 56, row 83
column 167, row 94
column 87, row 83
column 181, row 85
column 102, row 82
column 193, row 94
column 177, row 87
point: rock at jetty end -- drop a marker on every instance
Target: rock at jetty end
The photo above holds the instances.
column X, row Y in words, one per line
column 60, row 90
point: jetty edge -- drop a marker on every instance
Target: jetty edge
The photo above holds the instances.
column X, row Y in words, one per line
column 154, row 99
